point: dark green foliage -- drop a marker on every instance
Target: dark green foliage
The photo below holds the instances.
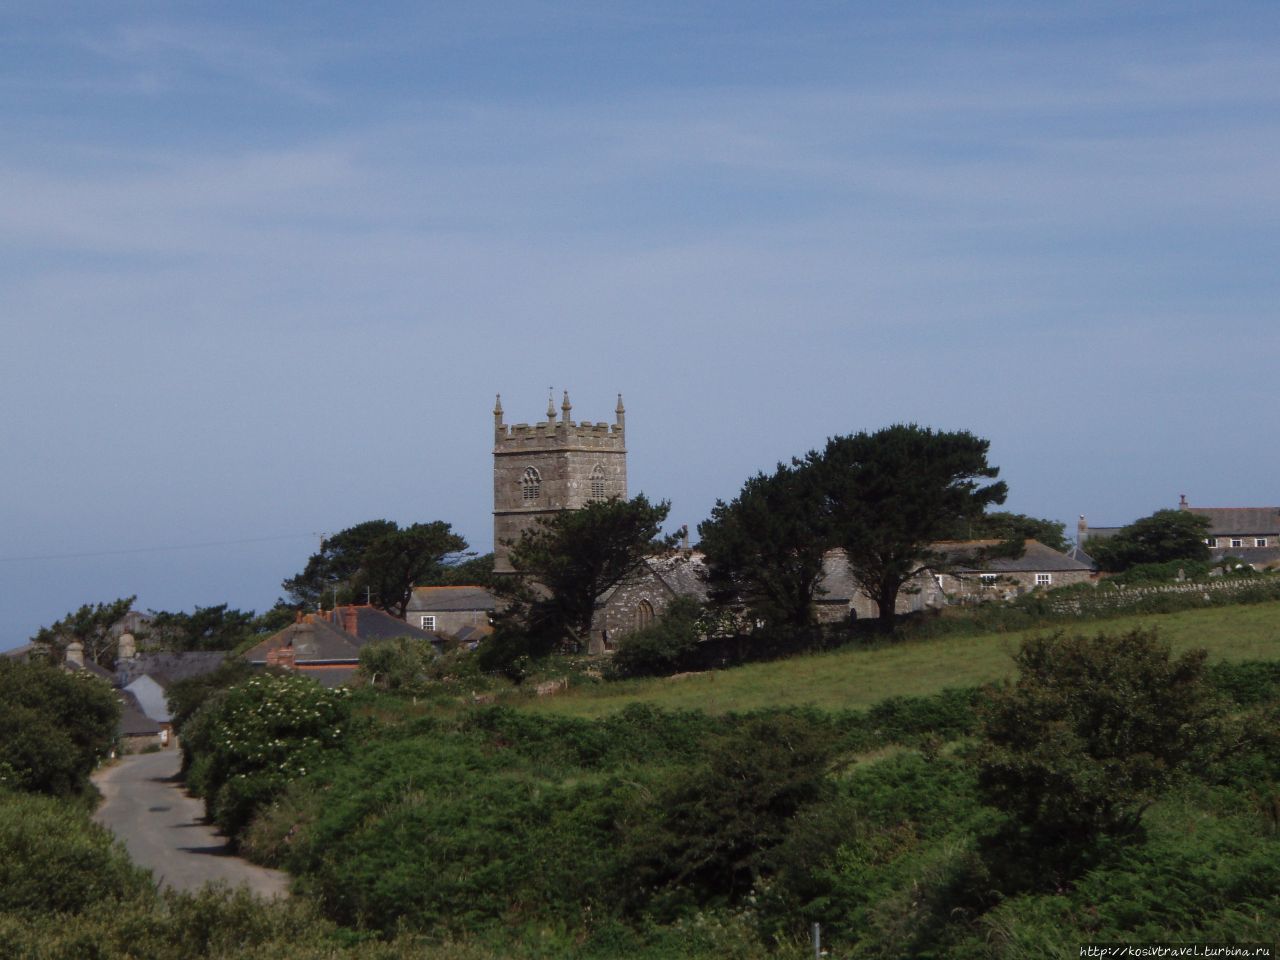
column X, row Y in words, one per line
column 52, row 860
column 1093, row 731
column 91, row 625
column 1165, row 536
column 1171, row 571
column 717, row 823
column 892, row 493
column 396, row 562
column 575, row 556
column 1000, row 525
column 764, row 549
column 666, row 646
column 335, row 566
column 1248, row 683
column 207, row 628
column 54, row 727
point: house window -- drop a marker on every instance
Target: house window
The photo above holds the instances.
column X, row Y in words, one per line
column 531, row 484
column 987, row 578
column 644, row 614
column 1259, row 541
column 429, row 623
column 597, row 483
column 1237, row 542
column 1044, row 579
column 1212, row 541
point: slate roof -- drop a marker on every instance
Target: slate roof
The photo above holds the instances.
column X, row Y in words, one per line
column 1036, row 558
column 90, row 667
column 313, row 640
column 684, row 574
column 167, row 668
column 1241, row 521
column 133, row 721
column 370, row 623
column 451, row 600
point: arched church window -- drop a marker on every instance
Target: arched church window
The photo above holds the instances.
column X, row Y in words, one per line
column 644, row 614
column 597, row 483
column 531, row 484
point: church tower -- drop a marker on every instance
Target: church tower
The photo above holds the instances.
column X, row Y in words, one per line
column 551, row 466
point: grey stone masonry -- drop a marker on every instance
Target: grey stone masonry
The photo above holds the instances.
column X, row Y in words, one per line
column 543, row 468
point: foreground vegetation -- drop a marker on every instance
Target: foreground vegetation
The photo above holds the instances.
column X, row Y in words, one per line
column 946, row 824
column 1124, row 789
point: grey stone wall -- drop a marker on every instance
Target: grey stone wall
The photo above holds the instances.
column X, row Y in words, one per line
column 566, row 455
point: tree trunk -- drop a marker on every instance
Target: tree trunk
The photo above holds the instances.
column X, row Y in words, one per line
column 888, row 604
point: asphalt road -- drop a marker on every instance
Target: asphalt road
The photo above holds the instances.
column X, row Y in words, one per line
column 164, row 829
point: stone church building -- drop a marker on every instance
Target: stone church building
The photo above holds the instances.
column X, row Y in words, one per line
column 542, row 468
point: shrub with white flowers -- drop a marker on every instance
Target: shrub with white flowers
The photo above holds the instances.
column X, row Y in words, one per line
column 246, row 745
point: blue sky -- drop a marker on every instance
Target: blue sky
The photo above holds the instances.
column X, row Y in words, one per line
column 265, row 266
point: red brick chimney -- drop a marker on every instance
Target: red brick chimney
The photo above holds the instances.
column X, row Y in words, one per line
column 283, row 657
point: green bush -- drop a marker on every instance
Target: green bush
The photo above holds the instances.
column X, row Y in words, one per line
column 1091, row 733
column 52, row 860
column 54, row 727
column 666, row 646
column 245, row 744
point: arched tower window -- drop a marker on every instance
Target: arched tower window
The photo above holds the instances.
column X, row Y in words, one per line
column 597, row 483
column 530, row 484
column 644, row 614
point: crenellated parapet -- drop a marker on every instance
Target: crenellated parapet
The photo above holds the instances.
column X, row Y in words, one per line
column 558, row 433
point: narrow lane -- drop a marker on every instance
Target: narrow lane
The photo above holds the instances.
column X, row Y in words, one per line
column 163, row 828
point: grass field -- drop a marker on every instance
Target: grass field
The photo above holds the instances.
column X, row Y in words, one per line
column 857, row 678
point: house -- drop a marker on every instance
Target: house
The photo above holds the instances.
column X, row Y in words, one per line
column 970, row 577
column 326, row 645
column 1250, row 533
column 462, row 613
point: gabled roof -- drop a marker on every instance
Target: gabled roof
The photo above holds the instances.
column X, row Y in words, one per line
column 684, row 573
column 369, row 623
column 133, row 721
column 313, row 640
column 1237, row 521
column 451, row 599
column 1036, row 558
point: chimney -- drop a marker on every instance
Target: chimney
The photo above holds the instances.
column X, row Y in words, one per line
column 1182, row 502
column 283, row 657
column 350, row 620
column 1082, row 531
column 75, row 654
column 128, row 647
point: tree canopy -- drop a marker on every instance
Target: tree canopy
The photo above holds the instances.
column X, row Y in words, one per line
column 999, row 525
column 1164, row 536
column 891, row 494
column 378, row 560
column 765, row 547
column 565, row 562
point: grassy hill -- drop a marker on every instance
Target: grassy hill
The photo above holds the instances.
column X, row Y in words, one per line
column 860, row 677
